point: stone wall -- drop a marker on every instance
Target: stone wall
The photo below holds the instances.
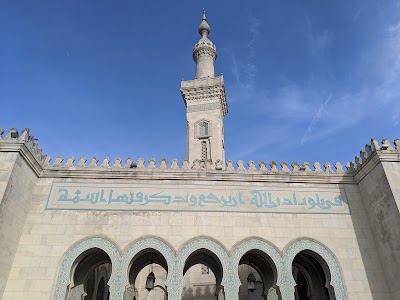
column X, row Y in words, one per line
column 17, row 181
column 380, row 191
column 51, row 236
column 48, row 234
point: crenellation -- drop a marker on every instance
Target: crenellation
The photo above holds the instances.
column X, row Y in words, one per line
column 285, row 167
column 106, row 163
column 174, row 164
column 328, row 168
column 252, row 166
column 386, row 145
column 34, row 148
column 339, row 168
column 140, row 164
column 10, row 133
column 208, row 165
column 363, row 156
column 58, row 162
column 241, row 167
column 369, row 150
column 350, row 168
column 129, row 163
column 30, row 142
column 70, row 162
column 196, row 165
column 39, row 155
column 306, row 168
column 295, row 167
column 263, row 166
column 358, row 162
column 117, row 163
column 274, row 167
column 94, row 162
column 46, row 161
column 375, row 145
column 317, row 168
column 185, row 165
column 82, row 162
column 152, row 164
column 397, row 144
column 24, row 135
column 229, row 166
column 163, row 164
column 1, row 133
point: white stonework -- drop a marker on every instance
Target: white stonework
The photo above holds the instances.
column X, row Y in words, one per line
column 206, row 104
column 82, row 228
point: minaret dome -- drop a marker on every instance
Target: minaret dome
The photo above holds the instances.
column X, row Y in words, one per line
column 204, row 28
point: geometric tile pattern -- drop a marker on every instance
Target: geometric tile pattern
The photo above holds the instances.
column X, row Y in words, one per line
column 119, row 281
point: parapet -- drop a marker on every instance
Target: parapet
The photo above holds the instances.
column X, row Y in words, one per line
column 384, row 150
column 271, row 169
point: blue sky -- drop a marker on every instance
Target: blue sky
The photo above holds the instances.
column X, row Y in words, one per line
column 305, row 80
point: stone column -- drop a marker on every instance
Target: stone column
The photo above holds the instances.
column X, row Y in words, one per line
column 77, row 292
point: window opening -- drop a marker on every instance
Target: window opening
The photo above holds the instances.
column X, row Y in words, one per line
column 205, row 270
column 203, row 130
column 204, row 150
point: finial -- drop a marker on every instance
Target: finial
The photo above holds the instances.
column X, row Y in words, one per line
column 204, row 28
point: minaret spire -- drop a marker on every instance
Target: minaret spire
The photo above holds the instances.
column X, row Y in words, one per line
column 206, row 104
column 204, row 52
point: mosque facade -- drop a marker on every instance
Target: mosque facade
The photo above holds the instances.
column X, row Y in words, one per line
column 205, row 228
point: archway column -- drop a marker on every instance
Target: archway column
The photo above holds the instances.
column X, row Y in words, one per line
column 175, row 282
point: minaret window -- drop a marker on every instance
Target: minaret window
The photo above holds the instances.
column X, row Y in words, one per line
column 204, row 150
column 203, row 129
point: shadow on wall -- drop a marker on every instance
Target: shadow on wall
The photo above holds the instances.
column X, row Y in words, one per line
column 376, row 220
column 372, row 200
column 204, row 293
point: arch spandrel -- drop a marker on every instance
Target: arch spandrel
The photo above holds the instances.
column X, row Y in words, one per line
column 295, row 248
column 64, row 274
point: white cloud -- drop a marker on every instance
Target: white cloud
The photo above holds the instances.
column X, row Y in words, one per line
column 306, row 107
column 315, row 120
column 317, row 42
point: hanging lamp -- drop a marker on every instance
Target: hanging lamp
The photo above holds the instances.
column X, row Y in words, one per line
column 251, row 280
column 150, row 280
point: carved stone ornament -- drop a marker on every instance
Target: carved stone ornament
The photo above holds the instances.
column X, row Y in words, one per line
column 119, row 280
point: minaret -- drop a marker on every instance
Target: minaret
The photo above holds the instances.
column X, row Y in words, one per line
column 205, row 102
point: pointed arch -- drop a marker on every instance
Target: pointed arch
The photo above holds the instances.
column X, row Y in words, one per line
column 266, row 247
column 299, row 245
column 71, row 255
column 147, row 243
column 197, row 244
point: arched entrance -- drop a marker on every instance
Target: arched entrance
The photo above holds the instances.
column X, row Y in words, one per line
column 312, row 277
column 91, row 272
column 147, row 276
column 311, row 271
column 258, row 277
column 203, row 274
